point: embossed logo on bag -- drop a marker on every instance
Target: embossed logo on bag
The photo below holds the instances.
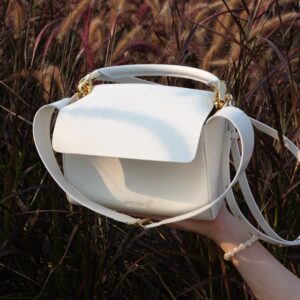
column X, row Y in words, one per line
column 137, row 203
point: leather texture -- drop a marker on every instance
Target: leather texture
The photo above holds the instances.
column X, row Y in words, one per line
column 138, row 121
column 169, row 183
column 41, row 133
column 151, row 187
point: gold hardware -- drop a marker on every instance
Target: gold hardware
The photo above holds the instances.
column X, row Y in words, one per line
column 85, row 86
column 218, row 102
column 142, row 222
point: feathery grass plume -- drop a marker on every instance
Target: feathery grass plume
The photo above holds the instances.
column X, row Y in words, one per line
column 140, row 46
column 264, row 27
column 192, row 10
column 200, row 35
column 96, row 37
column 208, row 8
column 72, row 18
column 160, row 23
column 132, row 34
column 235, row 48
column 196, row 49
column 164, row 18
column 266, row 55
column 154, row 5
column 222, row 25
column 142, row 13
column 198, row 17
column 117, row 5
column 169, row 52
column 157, row 3
column 160, row 12
column 46, row 77
column 15, row 16
column 165, row 10
column 219, row 62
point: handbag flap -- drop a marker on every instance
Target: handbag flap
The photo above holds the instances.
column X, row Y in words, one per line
column 136, row 121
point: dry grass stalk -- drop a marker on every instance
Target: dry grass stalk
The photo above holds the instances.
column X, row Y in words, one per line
column 219, row 62
column 218, row 40
column 45, row 77
column 125, row 40
column 16, row 17
column 96, row 38
column 201, row 33
column 72, row 18
column 118, row 5
column 261, row 29
column 201, row 15
column 155, row 6
column 194, row 9
column 235, row 48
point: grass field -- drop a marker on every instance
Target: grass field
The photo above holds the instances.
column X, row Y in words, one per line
column 50, row 250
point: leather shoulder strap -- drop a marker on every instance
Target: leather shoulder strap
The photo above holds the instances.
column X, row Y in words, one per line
column 41, row 134
column 239, row 120
column 239, row 123
column 268, row 234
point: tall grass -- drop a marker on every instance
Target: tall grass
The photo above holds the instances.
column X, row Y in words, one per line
column 49, row 250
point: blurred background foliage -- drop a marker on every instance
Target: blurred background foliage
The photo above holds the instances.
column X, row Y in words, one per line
column 49, row 250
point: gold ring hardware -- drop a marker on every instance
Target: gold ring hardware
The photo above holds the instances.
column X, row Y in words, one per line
column 219, row 103
column 85, row 86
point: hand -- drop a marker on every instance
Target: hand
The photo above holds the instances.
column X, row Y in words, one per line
column 225, row 230
column 216, row 229
column 210, row 229
column 266, row 277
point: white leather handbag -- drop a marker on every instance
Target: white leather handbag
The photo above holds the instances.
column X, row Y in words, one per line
column 134, row 146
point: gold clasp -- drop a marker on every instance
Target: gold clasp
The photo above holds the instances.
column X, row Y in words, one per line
column 220, row 103
column 85, row 86
column 227, row 98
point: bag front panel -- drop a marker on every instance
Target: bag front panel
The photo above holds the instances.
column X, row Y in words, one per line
column 134, row 121
column 150, row 187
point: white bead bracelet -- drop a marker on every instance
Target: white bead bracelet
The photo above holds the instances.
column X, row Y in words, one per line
column 240, row 247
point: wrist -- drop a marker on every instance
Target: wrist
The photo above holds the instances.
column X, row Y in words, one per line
column 228, row 232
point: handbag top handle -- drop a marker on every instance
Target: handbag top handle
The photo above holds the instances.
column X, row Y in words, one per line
column 127, row 74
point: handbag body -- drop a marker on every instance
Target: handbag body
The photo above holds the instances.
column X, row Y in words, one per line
column 138, row 147
column 143, row 148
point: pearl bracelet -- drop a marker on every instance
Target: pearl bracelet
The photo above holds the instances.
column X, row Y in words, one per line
column 240, row 247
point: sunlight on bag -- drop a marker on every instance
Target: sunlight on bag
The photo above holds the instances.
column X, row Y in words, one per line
column 138, row 147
